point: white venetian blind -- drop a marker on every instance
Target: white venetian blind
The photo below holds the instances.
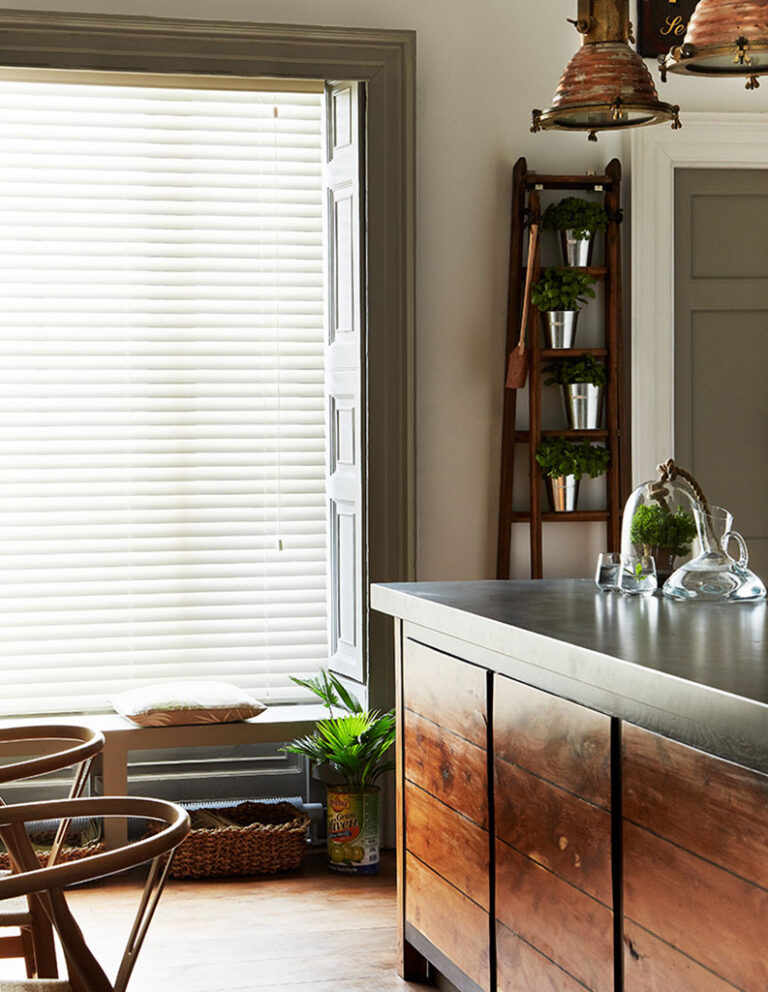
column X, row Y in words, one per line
column 162, row 488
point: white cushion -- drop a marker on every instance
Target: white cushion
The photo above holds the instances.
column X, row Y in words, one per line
column 186, row 703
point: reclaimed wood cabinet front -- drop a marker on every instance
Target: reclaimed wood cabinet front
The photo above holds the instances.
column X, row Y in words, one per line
column 552, row 794
column 547, row 847
column 445, row 799
column 695, row 869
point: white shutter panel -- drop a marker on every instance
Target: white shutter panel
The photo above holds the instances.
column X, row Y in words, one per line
column 162, row 478
column 343, row 376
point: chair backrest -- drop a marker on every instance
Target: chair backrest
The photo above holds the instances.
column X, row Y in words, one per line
column 62, row 746
column 85, row 972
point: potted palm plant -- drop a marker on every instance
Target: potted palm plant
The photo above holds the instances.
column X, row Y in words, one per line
column 352, row 745
column 559, row 295
column 577, row 220
column 563, row 463
column 582, row 380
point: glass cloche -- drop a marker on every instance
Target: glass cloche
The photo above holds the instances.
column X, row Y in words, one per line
column 659, row 519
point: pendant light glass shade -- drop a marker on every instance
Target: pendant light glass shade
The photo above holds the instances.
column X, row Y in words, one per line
column 606, row 85
column 724, row 38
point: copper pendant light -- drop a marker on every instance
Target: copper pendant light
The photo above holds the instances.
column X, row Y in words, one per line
column 606, row 85
column 724, row 38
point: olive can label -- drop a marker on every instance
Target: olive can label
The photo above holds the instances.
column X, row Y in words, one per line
column 353, row 831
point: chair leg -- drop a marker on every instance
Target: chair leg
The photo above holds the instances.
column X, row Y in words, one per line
column 28, row 951
column 42, row 940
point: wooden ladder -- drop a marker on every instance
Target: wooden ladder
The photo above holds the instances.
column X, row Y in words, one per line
column 526, row 209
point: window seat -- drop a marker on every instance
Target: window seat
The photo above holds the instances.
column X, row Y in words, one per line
column 275, row 724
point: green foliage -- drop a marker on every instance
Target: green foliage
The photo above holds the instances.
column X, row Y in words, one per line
column 583, row 217
column 356, row 744
column 655, row 526
column 562, row 289
column 570, row 370
column 558, row 456
column 332, row 692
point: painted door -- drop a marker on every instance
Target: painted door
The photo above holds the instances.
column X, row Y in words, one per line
column 721, row 343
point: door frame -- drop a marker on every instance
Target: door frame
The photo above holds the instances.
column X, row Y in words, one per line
column 707, row 141
column 385, row 61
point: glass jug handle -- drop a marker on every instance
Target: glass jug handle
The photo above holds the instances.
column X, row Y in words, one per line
column 743, row 552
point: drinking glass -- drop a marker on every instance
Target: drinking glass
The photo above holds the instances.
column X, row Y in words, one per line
column 608, row 569
column 638, row 575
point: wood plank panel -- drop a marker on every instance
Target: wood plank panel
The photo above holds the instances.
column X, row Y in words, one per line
column 447, row 766
column 709, row 914
column 706, row 805
column 410, row 964
column 568, row 926
column 449, row 920
column 447, row 691
column 521, row 968
column 566, row 743
column 565, row 834
column 453, row 846
column 650, row 965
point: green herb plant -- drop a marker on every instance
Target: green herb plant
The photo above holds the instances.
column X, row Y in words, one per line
column 355, row 743
column 562, row 289
column 571, row 370
column 558, row 456
column 656, row 527
column 583, row 217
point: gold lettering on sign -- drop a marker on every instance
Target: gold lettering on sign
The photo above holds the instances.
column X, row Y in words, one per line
column 674, row 25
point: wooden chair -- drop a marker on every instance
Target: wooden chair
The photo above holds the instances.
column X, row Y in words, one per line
column 85, row 974
column 61, row 746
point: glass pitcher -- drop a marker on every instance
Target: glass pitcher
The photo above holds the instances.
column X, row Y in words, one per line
column 713, row 576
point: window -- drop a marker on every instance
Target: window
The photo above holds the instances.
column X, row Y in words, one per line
column 162, row 408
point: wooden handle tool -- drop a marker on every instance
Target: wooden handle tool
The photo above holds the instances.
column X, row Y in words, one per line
column 517, row 369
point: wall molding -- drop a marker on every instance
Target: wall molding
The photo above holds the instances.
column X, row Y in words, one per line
column 707, row 141
column 129, row 43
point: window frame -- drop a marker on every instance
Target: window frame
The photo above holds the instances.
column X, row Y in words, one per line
column 385, row 61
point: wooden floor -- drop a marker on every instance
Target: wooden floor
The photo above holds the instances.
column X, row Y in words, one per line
column 306, row 931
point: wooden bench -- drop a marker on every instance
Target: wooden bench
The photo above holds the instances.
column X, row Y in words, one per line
column 274, row 725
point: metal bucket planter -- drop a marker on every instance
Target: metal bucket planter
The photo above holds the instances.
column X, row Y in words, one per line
column 583, row 405
column 353, row 830
column 560, row 327
column 563, row 493
column 576, row 251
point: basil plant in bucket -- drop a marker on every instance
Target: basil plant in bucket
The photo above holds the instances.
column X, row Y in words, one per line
column 354, row 746
column 564, row 463
column 559, row 295
column 577, row 220
column 582, row 380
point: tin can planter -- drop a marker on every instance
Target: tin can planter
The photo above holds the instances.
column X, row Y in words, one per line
column 560, row 326
column 583, row 405
column 353, row 830
column 563, row 493
column 576, row 251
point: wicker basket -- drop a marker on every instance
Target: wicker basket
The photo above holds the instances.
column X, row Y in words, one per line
column 68, row 852
column 268, row 837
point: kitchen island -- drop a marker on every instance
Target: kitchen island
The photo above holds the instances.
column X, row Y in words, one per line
column 582, row 788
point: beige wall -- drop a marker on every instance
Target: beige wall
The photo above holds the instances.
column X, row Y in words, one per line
column 482, row 66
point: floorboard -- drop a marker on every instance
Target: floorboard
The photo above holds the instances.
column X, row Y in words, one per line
column 304, row 931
